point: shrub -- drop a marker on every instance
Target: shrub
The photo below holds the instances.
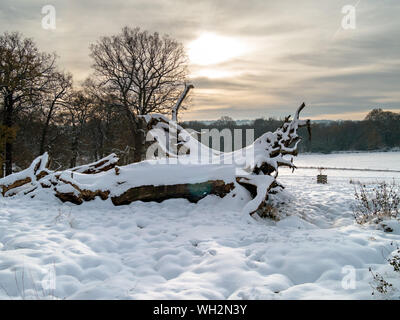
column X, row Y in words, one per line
column 381, row 285
column 394, row 261
column 380, row 202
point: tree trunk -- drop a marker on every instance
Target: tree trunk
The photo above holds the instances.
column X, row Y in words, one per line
column 100, row 146
column 139, row 144
column 137, row 128
column 42, row 140
column 74, row 149
column 44, row 131
column 190, row 191
column 8, row 122
column 8, row 160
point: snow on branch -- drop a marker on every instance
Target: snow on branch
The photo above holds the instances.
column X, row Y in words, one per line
column 103, row 164
column 180, row 100
column 260, row 161
column 13, row 183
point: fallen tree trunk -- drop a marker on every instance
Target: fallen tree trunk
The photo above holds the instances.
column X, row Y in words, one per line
column 66, row 186
column 267, row 154
column 260, row 187
column 36, row 171
column 142, row 182
column 68, row 191
column 101, row 165
column 189, row 191
column 39, row 169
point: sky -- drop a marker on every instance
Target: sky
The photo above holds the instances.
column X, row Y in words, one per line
column 248, row 59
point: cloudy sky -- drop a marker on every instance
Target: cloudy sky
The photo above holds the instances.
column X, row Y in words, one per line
column 248, row 59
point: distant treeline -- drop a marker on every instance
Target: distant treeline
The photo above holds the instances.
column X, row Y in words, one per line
column 380, row 130
column 99, row 136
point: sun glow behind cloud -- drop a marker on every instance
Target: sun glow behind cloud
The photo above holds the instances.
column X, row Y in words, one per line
column 214, row 73
column 211, row 49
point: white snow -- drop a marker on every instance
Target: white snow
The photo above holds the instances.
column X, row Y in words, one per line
column 29, row 172
column 148, row 173
column 180, row 250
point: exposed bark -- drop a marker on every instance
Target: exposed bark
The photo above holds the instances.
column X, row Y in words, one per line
column 36, row 171
column 260, row 193
column 78, row 196
column 15, row 184
column 192, row 192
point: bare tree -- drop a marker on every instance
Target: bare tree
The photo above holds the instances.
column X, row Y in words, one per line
column 144, row 72
column 104, row 121
column 24, row 73
column 78, row 110
column 54, row 97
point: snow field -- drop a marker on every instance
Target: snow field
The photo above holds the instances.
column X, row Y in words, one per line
column 179, row 250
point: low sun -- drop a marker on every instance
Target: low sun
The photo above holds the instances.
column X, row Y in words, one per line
column 211, row 48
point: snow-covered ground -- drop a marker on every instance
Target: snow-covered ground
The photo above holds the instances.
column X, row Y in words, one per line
column 208, row 250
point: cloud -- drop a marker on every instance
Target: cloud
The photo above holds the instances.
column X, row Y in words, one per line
column 296, row 51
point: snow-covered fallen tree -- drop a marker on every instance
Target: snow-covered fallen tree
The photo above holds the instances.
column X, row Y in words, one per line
column 182, row 168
